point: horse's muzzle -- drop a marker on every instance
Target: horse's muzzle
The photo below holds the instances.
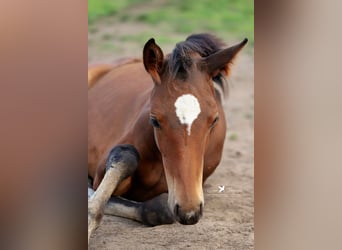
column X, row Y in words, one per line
column 188, row 217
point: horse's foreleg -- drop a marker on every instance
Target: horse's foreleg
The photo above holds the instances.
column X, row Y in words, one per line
column 152, row 212
column 121, row 163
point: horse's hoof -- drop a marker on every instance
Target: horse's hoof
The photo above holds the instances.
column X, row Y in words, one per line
column 156, row 211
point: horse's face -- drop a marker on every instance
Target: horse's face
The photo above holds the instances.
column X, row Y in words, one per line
column 183, row 113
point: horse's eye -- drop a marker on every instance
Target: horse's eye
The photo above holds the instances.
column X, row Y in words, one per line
column 154, row 122
column 215, row 121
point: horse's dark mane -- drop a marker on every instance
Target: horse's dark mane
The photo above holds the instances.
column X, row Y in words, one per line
column 180, row 61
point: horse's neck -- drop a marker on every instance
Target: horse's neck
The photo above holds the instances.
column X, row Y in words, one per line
column 150, row 169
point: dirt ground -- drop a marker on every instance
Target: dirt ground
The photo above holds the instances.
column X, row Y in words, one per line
column 228, row 219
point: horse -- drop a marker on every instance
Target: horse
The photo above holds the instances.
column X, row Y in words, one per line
column 156, row 130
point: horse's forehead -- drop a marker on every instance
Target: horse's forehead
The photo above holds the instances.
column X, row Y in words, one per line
column 187, row 108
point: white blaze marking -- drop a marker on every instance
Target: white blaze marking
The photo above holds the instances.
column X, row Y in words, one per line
column 187, row 110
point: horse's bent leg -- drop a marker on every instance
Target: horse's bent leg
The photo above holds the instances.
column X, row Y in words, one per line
column 121, row 163
column 122, row 207
column 152, row 212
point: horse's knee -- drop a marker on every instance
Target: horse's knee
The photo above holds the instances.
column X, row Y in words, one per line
column 123, row 156
column 156, row 211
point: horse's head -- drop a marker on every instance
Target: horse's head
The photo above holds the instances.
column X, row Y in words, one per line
column 184, row 112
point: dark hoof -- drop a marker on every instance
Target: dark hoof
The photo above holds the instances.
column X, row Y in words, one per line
column 156, row 211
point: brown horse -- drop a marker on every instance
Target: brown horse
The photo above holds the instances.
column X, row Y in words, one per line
column 158, row 132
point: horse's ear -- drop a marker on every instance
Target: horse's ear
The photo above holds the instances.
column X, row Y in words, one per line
column 221, row 60
column 153, row 59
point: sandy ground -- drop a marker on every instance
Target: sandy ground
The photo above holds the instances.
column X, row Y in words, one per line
column 228, row 219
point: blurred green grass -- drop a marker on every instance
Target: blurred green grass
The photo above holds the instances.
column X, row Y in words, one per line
column 103, row 8
column 233, row 17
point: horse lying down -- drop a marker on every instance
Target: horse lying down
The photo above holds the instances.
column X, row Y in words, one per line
column 156, row 130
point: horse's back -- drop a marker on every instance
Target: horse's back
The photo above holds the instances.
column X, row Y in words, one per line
column 115, row 100
column 96, row 71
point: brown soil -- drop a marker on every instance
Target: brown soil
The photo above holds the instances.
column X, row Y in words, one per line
column 228, row 217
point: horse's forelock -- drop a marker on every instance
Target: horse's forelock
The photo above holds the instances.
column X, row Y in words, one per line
column 205, row 44
column 180, row 61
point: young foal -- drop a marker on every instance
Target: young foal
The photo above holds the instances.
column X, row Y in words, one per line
column 149, row 137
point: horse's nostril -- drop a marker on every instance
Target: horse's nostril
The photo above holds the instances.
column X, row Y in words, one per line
column 176, row 209
column 201, row 209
